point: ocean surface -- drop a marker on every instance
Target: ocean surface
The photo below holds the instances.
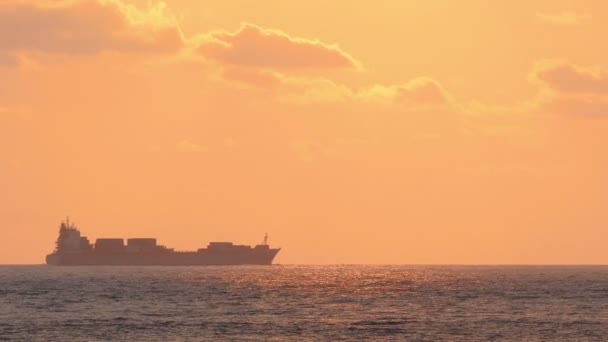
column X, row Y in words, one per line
column 308, row 303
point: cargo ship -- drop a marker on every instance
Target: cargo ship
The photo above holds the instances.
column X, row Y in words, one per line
column 73, row 249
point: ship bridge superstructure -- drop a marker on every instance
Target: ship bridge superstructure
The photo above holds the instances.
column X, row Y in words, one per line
column 70, row 240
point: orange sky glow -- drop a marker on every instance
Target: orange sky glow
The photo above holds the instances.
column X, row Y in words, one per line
column 391, row 131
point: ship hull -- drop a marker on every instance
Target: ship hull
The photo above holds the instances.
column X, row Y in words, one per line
column 251, row 257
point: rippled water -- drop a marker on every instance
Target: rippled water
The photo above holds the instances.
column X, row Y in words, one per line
column 304, row 303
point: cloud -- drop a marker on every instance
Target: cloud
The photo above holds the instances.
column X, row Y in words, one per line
column 422, row 90
column 572, row 89
column 419, row 93
column 570, row 78
column 254, row 46
column 565, row 18
column 86, row 27
column 258, row 78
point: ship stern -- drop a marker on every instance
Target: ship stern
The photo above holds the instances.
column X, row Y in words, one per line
column 53, row 259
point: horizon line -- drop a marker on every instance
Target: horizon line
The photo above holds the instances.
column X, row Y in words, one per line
column 331, row 264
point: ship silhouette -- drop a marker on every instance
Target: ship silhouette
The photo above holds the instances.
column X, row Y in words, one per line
column 74, row 249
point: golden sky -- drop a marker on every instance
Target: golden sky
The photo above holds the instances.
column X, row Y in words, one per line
column 388, row 131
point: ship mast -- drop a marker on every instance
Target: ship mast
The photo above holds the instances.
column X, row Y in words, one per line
column 265, row 239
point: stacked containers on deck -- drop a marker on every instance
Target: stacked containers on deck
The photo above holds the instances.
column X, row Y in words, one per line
column 141, row 245
column 109, row 245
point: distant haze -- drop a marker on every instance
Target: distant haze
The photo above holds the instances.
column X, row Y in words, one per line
column 370, row 132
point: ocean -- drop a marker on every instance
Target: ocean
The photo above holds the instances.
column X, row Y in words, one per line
column 304, row 303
